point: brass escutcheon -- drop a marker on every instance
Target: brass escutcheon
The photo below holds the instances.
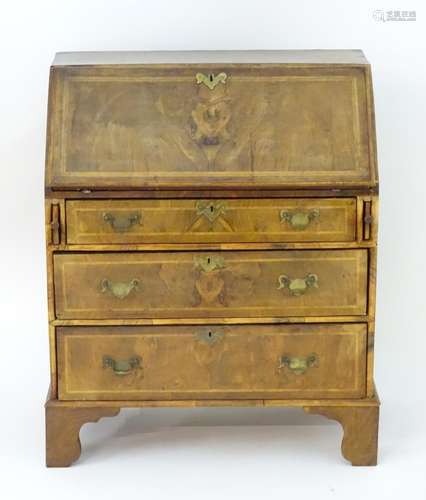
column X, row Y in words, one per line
column 122, row 367
column 209, row 263
column 298, row 286
column 299, row 220
column 211, row 80
column 122, row 223
column 211, row 210
column 118, row 289
column 209, row 337
column 298, row 365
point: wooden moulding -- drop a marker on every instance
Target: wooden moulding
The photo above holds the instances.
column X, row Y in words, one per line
column 210, row 192
column 211, row 321
column 163, row 247
column 358, row 418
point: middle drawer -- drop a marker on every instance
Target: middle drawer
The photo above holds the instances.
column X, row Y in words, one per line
column 210, row 285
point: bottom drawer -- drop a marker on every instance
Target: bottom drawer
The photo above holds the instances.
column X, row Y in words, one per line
column 215, row 362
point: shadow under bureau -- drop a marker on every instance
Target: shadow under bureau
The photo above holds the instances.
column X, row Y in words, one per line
column 211, row 227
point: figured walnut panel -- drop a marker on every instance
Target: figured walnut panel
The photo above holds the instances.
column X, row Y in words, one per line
column 207, row 221
column 133, row 127
column 184, row 362
column 214, row 284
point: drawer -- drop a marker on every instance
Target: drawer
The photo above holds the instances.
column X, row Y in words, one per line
column 207, row 221
column 219, row 362
column 215, row 284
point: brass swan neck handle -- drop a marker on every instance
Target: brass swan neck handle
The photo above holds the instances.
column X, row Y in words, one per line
column 299, row 220
column 122, row 366
column 122, row 223
column 298, row 286
column 298, row 364
column 119, row 290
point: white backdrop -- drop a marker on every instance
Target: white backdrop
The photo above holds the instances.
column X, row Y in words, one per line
column 207, row 453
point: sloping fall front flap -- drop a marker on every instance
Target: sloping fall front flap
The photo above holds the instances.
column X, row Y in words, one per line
column 193, row 126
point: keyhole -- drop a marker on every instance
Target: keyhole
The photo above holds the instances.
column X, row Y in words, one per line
column 211, row 77
column 208, row 260
column 210, row 334
column 211, row 208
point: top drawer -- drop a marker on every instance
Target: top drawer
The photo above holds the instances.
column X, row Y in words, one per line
column 210, row 221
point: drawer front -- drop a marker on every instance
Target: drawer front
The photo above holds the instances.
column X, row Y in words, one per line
column 216, row 284
column 198, row 221
column 189, row 362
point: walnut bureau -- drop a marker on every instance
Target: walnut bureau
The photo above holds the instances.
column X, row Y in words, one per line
column 211, row 226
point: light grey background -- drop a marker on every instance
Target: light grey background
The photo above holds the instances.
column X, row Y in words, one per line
column 213, row 453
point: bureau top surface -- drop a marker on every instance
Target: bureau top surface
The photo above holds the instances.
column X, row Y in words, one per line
column 352, row 57
column 203, row 120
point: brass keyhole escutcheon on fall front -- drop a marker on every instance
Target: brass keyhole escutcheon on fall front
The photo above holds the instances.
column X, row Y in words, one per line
column 211, row 80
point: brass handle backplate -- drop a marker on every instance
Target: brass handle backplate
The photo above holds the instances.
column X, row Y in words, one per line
column 122, row 223
column 211, row 80
column 298, row 286
column 299, row 220
column 122, row 366
column 118, row 289
column 298, row 365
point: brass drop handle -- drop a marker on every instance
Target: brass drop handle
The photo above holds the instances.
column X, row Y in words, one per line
column 122, row 223
column 119, row 290
column 298, row 286
column 298, row 365
column 122, row 366
column 299, row 220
